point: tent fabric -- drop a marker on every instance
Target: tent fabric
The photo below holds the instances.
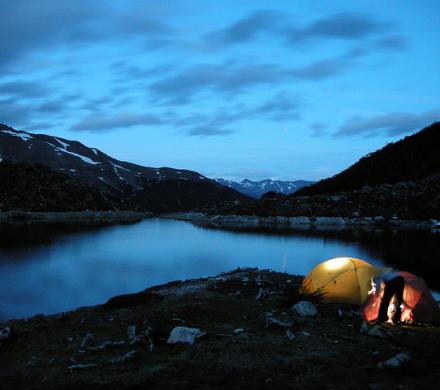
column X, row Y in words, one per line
column 341, row 280
column 418, row 302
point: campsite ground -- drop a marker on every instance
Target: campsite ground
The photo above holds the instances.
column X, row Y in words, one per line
column 238, row 350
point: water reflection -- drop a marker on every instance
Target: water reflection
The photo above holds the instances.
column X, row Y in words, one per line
column 50, row 268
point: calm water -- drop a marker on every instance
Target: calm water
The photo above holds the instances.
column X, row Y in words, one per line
column 47, row 269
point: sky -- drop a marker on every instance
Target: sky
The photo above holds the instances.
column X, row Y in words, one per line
column 234, row 89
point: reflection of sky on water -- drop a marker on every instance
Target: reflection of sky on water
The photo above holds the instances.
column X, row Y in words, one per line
column 88, row 268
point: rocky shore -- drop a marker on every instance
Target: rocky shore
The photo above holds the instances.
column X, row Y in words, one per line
column 232, row 221
column 246, row 328
column 110, row 216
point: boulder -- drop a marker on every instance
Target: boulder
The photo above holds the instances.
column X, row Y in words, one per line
column 184, row 335
column 395, row 361
column 305, row 309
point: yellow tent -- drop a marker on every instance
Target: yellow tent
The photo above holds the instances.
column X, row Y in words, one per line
column 342, row 280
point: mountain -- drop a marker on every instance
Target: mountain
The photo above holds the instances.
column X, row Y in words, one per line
column 399, row 181
column 414, row 157
column 155, row 189
column 38, row 188
column 256, row 189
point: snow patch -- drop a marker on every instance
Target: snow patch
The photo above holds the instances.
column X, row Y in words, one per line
column 83, row 158
column 63, row 144
column 119, row 167
column 23, row 136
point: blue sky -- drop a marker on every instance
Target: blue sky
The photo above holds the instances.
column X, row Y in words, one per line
column 231, row 89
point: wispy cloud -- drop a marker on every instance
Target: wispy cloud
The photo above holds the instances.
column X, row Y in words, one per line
column 102, row 123
column 247, row 28
column 21, row 89
column 387, row 124
column 345, row 26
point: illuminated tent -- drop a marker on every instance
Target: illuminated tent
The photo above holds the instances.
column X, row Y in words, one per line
column 341, row 280
column 415, row 302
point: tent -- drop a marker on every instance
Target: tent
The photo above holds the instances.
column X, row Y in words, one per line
column 342, row 280
column 401, row 296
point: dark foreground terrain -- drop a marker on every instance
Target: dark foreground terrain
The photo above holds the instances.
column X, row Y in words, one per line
column 240, row 349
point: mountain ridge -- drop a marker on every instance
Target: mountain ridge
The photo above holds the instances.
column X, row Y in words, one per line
column 413, row 157
column 257, row 188
column 153, row 189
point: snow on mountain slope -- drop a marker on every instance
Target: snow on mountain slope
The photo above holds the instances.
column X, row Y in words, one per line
column 257, row 188
column 88, row 164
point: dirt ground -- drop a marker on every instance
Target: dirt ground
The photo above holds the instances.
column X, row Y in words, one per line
column 238, row 351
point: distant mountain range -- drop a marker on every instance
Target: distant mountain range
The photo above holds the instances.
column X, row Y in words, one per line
column 155, row 189
column 399, row 181
column 256, row 189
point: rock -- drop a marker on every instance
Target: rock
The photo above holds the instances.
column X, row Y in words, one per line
column 182, row 334
column 238, row 331
column 305, row 309
column 5, row 334
column 131, row 332
column 262, row 293
column 376, row 386
column 355, row 214
column 329, row 221
column 271, row 321
column 290, row 334
column 395, row 361
column 124, row 358
column 105, row 345
column 379, row 219
column 82, row 366
column 377, row 331
column 364, row 327
column 86, row 340
column 299, row 221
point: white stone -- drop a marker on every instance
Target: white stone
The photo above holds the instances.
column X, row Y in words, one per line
column 299, row 221
column 395, row 361
column 305, row 309
column 182, row 334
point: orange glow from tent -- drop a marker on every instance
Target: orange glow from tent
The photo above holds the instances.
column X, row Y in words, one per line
column 334, row 264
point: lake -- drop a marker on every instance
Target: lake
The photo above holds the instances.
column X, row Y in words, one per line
column 52, row 268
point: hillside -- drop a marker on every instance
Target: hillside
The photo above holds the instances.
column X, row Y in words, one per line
column 38, row 188
column 399, row 181
column 257, row 189
column 414, row 157
column 146, row 188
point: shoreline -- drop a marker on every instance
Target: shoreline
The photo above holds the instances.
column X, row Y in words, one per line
column 110, row 216
column 234, row 221
column 249, row 334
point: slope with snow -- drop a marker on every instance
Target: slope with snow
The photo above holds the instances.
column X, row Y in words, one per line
column 258, row 188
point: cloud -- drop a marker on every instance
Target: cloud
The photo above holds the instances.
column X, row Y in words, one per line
column 29, row 28
column 101, row 123
column 234, row 79
column 225, row 78
column 345, row 26
column 391, row 42
column 318, row 129
column 281, row 107
column 23, row 89
column 207, row 131
column 13, row 114
column 246, row 29
column 389, row 124
column 321, row 70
